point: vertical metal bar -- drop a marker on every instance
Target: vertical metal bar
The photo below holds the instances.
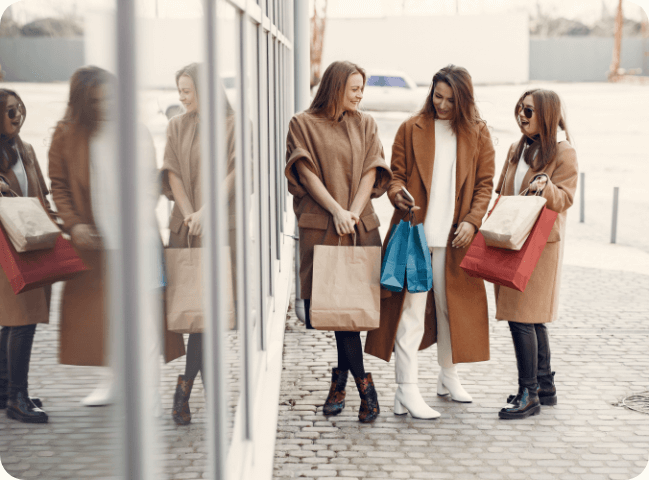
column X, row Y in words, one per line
column 125, row 296
column 582, row 200
column 616, row 191
column 242, row 179
column 212, row 166
column 272, row 102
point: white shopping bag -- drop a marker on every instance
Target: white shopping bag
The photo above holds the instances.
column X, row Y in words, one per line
column 511, row 221
column 27, row 224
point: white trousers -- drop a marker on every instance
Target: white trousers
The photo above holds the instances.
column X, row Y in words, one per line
column 411, row 324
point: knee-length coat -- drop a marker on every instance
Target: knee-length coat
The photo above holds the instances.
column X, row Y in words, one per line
column 339, row 154
column 539, row 303
column 413, row 155
column 82, row 330
column 29, row 307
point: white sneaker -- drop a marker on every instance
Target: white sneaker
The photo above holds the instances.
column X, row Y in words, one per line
column 409, row 399
column 449, row 382
column 104, row 394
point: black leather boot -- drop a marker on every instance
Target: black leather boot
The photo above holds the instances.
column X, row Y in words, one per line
column 527, row 403
column 369, row 400
column 547, row 390
column 3, row 401
column 21, row 408
column 336, row 399
column 180, row 412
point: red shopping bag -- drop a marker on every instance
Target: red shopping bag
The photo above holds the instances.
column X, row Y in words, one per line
column 29, row 270
column 509, row 268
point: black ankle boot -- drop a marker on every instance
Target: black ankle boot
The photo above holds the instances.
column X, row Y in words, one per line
column 336, row 399
column 526, row 403
column 369, row 400
column 21, row 408
column 35, row 400
column 547, row 390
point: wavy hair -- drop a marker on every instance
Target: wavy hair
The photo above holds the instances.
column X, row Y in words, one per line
column 550, row 116
column 465, row 111
column 329, row 99
column 9, row 154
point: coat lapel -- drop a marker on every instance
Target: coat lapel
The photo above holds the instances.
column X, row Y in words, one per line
column 464, row 161
column 423, row 144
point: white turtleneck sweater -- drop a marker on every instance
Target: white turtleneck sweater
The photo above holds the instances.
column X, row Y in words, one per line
column 441, row 203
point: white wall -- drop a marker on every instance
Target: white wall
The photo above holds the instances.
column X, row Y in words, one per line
column 493, row 48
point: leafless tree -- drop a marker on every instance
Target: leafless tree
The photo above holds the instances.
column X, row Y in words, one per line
column 317, row 38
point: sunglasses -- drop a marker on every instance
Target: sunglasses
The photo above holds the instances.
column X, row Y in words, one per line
column 12, row 112
column 527, row 111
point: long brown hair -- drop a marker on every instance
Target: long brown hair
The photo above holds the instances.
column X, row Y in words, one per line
column 82, row 114
column 465, row 111
column 550, row 116
column 329, row 99
column 9, row 155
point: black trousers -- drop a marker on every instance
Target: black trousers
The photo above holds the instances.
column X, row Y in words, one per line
column 532, row 347
column 15, row 353
column 348, row 345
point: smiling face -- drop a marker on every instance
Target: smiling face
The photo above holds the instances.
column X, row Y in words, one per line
column 444, row 101
column 353, row 92
column 187, row 93
column 11, row 126
column 529, row 126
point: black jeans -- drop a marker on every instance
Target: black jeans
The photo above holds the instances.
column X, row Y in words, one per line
column 532, row 347
column 15, row 353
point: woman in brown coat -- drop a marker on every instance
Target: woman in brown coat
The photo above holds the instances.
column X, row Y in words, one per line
column 335, row 165
column 20, row 174
column 444, row 157
column 544, row 160
column 83, row 328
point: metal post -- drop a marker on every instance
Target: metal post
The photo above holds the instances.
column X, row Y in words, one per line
column 212, row 104
column 582, row 201
column 616, row 191
column 126, row 297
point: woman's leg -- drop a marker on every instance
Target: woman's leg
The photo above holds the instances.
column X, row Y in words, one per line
column 194, row 360
column 4, row 372
column 193, row 364
column 350, row 352
column 448, row 380
column 526, row 402
column 544, row 374
column 409, row 334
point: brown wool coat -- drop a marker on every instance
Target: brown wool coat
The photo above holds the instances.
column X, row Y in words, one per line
column 413, row 155
column 540, row 301
column 339, row 154
column 82, row 334
column 30, row 307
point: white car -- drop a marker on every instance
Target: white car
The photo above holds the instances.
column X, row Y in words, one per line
column 391, row 91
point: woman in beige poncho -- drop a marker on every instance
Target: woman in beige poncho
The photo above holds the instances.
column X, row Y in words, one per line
column 335, row 165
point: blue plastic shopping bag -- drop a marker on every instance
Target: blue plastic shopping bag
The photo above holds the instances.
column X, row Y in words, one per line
column 419, row 271
column 393, row 269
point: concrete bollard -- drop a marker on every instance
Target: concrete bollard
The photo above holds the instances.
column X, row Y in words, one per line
column 616, row 192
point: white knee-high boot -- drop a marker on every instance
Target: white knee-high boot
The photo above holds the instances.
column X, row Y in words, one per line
column 448, row 380
column 409, row 335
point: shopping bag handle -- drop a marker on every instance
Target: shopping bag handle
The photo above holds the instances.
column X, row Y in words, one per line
column 4, row 194
column 340, row 238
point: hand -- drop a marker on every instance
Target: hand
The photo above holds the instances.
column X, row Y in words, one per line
column 539, row 183
column 463, row 235
column 345, row 221
column 403, row 203
column 85, row 237
column 195, row 223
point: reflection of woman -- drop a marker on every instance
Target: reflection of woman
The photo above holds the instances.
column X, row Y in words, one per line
column 545, row 161
column 19, row 314
column 181, row 182
column 335, row 165
column 445, row 158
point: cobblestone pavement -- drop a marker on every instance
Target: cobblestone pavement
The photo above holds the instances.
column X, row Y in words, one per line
column 599, row 351
column 81, row 442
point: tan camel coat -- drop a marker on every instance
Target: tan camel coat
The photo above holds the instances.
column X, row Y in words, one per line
column 539, row 303
column 82, row 332
column 33, row 306
column 339, row 154
column 413, row 155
